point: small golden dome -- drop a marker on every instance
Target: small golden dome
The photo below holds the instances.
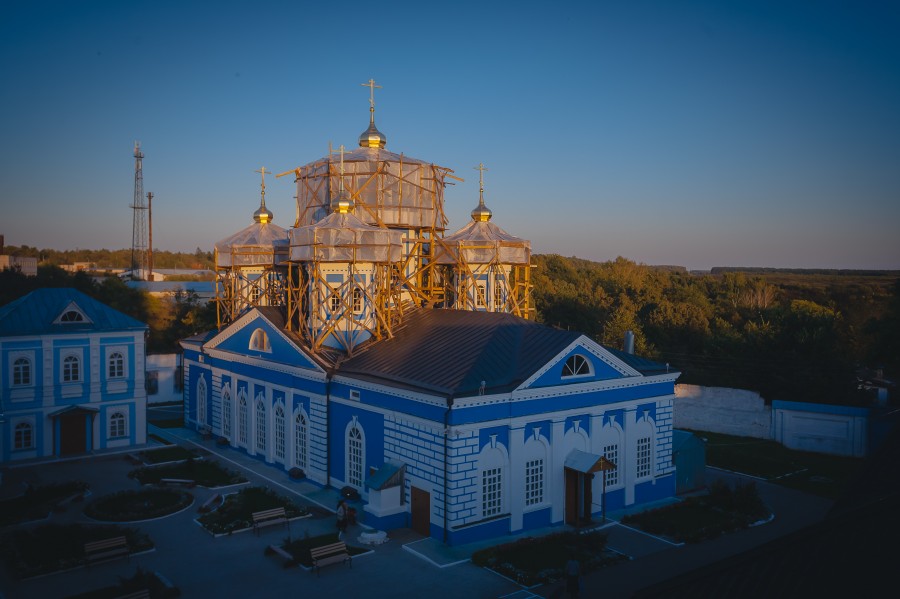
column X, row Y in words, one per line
column 263, row 215
column 372, row 137
column 342, row 203
column 482, row 213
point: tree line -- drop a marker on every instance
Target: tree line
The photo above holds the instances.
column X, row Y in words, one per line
column 115, row 258
column 797, row 336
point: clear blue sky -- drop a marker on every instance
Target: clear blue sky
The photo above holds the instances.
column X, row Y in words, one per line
column 751, row 133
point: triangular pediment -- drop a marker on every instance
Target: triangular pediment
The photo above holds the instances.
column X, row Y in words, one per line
column 72, row 314
column 255, row 336
column 583, row 361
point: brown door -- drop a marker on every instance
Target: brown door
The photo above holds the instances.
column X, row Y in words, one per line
column 420, row 503
column 73, row 434
column 571, row 497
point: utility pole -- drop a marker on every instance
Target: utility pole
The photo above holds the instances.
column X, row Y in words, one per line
column 149, row 236
column 138, row 229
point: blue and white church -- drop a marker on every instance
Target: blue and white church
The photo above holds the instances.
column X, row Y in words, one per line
column 405, row 363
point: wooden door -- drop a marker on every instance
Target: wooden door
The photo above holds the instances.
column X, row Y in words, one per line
column 420, row 504
column 73, row 434
column 571, row 497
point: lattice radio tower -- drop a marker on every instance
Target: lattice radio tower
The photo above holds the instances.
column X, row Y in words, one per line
column 139, row 229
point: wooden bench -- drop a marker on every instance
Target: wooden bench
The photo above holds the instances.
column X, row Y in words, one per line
column 329, row 554
column 186, row 482
column 96, row 551
column 288, row 559
column 262, row 518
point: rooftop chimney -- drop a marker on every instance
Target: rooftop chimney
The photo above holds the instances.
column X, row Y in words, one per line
column 629, row 342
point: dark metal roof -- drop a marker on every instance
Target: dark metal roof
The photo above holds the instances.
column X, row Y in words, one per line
column 35, row 314
column 643, row 365
column 450, row 352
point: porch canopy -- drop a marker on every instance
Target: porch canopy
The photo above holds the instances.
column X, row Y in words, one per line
column 586, row 463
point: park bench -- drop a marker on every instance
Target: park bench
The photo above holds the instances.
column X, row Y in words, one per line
column 276, row 515
column 284, row 555
column 329, row 554
column 185, row 482
column 96, row 551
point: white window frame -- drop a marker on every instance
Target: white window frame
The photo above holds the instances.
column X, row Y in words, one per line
column 71, row 361
column 493, row 466
column 644, row 457
column 259, row 341
column 202, row 391
column 301, row 441
column 611, row 453
column 357, row 300
column 534, row 482
column 22, row 367
column 23, row 435
column 355, row 455
column 115, row 365
column 118, row 424
column 575, row 366
column 243, row 419
column 226, row 411
column 480, row 294
column 280, row 440
column 261, row 415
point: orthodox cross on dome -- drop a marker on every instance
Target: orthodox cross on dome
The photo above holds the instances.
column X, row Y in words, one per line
column 371, row 85
column 480, row 168
column 262, row 215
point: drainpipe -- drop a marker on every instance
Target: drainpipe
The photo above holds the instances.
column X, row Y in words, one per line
column 446, row 459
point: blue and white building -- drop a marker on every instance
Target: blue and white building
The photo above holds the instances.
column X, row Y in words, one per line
column 400, row 365
column 71, row 376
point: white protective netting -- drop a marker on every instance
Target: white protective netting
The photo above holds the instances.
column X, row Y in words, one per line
column 344, row 238
column 388, row 189
column 483, row 242
column 257, row 245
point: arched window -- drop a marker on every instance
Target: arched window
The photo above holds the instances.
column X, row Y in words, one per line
column 259, row 341
column 72, row 316
column 492, row 481
column 201, row 401
column 301, row 441
column 610, row 442
column 355, row 456
column 226, row 413
column 279, row 433
column 117, row 428
column 24, row 436
column 576, row 365
column 71, row 369
column 243, row 417
column 116, row 365
column 535, row 463
column 260, row 424
column 644, row 448
column 21, row 372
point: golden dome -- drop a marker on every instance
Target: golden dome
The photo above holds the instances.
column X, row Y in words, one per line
column 342, row 203
column 372, row 137
column 263, row 215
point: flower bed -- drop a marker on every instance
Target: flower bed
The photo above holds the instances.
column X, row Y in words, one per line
column 236, row 511
column 205, row 473
column 37, row 503
column 53, row 547
column 540, row 560
column 143, row 504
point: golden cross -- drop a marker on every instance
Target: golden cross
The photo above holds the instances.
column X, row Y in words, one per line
column 342, row 166
column 263, row 172
column 480, row 168
column 371, row 85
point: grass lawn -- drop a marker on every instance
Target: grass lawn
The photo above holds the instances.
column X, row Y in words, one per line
column 44, row 549
column 204, row 472
column 236, row 512
column 819, row 474
column 536, row 560
column 130, row 506
column 38, row 502
column 299, row 548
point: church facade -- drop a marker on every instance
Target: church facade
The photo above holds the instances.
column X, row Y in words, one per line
column 405, row 366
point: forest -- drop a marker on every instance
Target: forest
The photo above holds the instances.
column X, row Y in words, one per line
column 788, row 334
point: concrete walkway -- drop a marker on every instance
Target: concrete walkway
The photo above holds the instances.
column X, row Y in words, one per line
column 408, row 565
